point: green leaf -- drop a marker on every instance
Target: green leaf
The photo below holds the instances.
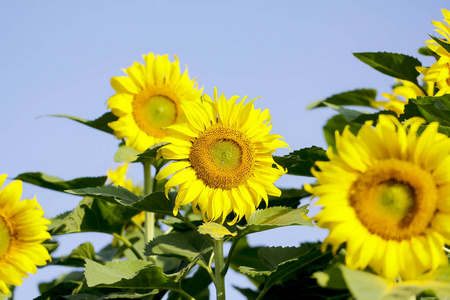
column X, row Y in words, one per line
column 136, row 274
column 100, row 123
column 359, row 97
column 274, row 217
column 77, row 257
column 215, row 230
column 300, row 162
column 126, row 295
column 125, row 154
column 57, row 184
column 364, row 285
column 155, row 202
column 288, row 198
column 76, row 276
column 427, row 52
column 50, row 245
column 442, row 43
column 92, row 215
column 183, row 245
column 151, row 153
column 392, row 64
column 279, row 263
column 113, row 194
column 338, row 122
column 430, row 108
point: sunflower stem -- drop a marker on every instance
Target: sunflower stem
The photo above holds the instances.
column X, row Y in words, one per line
column 230, row 253
column 218, row 266
column 129, row 245
column 149, row 216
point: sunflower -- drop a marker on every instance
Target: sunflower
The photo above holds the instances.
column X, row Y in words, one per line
column 386, row 193
column 22, row 230
column 224, row 158
column 401, row 93
column 149, row 99
column 439, row 72
column 118, row 177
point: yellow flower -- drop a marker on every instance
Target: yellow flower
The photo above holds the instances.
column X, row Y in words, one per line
column 439, row 72
column 386, row 193
column 119, row 178
column 224, row 156
column 401, row 94
column 149, row 99
column 22, row 230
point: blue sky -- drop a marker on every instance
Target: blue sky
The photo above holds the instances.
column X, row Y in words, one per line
column 57, row 57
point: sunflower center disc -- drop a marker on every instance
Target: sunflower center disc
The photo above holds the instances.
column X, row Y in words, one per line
column 160, row 111
column 5, row 237
column 394, row 199
column 153, row 113
column 226, row 154
column 222, row 157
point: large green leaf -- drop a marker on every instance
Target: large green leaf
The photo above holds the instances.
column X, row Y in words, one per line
column 136, row 274
column 100, row 123
column 92, row 215
column 397, row 65
column 184, row 245
column 300, row 162
column 359, row 97
column 57, row 184
column 155, row 202
column 278, row 263
column 274, row 217
column 432, row 109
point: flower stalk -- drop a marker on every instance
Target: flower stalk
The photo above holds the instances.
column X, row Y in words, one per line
column 149, row 226
column 218, row 261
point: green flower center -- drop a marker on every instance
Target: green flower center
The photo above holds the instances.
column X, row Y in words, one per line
column 226, row 154
column 160, row 111
column 394, row 199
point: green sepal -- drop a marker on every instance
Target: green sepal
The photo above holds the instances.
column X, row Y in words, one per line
column 397, row 65
column 58, row 184
column 100, row 123
column 358, row 97
column 300, row 162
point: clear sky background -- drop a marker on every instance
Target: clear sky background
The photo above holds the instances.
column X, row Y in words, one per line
column 57, row 57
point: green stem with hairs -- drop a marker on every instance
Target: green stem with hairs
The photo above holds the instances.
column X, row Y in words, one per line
column 128, row 244
column 218, row 262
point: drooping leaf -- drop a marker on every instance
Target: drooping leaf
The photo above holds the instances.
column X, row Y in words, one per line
column 100, row 123
column 77, row 257
column 397, row 65
column 359, row 97
column 274, row 217
column 92, row 215
column 155, row 202
column 184, row 245
column 57, row 184
column 300, row 162
column 215, row 230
